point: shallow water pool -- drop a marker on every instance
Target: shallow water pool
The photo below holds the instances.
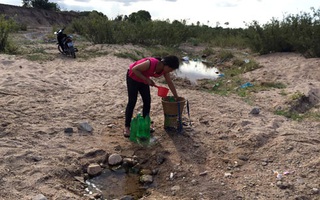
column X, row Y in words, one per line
column 115, row 184
column 194, row 70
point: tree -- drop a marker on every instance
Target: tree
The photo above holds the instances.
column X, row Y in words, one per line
column 41, row 4
column 139, row 16
column 26, row 3
column 119, row 18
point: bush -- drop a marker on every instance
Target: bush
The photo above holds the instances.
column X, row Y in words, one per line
column 7, row 25
column 95, row 27
column 295, row 33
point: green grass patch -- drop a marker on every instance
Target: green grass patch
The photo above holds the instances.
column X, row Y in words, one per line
column 164, row 51
column 294, row 115
column 296, row 95
column 290, row 114
column 236, row 70
column 283, row 93
column 86, row 54
column 231, row 82
column 299, row 108
column 208, row 51
column 314, row 115
column 225, row 55
column 264, row 86
column 152, row 51
column 224, row 40
column 129, row 55
column 277, row 85
column 38, row 50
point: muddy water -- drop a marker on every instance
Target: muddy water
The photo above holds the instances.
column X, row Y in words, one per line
column 194, row 70
column 116, row 184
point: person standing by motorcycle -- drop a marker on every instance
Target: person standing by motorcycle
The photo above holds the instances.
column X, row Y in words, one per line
column 61, row 37
column 138, row 80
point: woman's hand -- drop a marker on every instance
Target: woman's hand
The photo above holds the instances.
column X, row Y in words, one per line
column 150, row 82
column 171, row 85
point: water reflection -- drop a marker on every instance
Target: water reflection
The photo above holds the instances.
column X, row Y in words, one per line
column 115, row 184
column 194, row 70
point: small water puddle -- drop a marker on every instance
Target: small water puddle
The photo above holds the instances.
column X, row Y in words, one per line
column 114, row 184
column 194, row 70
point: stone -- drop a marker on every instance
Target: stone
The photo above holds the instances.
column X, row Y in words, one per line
column 68, row 130
column 255, row 111
column 203, row 173
column 115, row 159
column 315, row 191
column 243, row 157
column 146, row 172
column 146, row 179
column 194, row 182
column 127, row 197
column 282, row 185
column 80, row 179
column 301, row 198
column 175, row 188
column 94, row 169
column 111, row 125
column 39, row 197
column 314, row 96
column 131, row 162
column 85, row 126
column 227, row 174
column 160, row 159
column 155, row 171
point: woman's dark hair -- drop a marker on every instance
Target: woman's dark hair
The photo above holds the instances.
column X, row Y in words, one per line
column 171, row 61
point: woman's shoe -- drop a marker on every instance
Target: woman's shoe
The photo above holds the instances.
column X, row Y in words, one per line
column 126, row 133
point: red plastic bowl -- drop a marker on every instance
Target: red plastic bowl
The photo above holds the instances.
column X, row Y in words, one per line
column 162, row 91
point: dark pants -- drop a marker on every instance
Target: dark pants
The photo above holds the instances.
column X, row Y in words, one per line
column 133, row 88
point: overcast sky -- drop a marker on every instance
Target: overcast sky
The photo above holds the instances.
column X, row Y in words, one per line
column 207, row 12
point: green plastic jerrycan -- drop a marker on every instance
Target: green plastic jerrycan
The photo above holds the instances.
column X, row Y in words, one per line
column 143, row 133
column 171, row 99
column 134, row 129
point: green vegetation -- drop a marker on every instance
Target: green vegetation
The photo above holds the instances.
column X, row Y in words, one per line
column 97, row 28
column 39, row 57
column 41, row 4
column 297, row 95
column 232, row 84
column 295, row 33
column 37, row 53
column 299, row 108
column 298, row 33
column 7, row 26
column 277, row 85
column 290, row 114
column 152, row 51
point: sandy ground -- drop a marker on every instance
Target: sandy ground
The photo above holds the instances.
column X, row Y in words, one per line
column 227, row 153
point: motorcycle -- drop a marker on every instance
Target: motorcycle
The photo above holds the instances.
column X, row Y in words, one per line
column 65, row 43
